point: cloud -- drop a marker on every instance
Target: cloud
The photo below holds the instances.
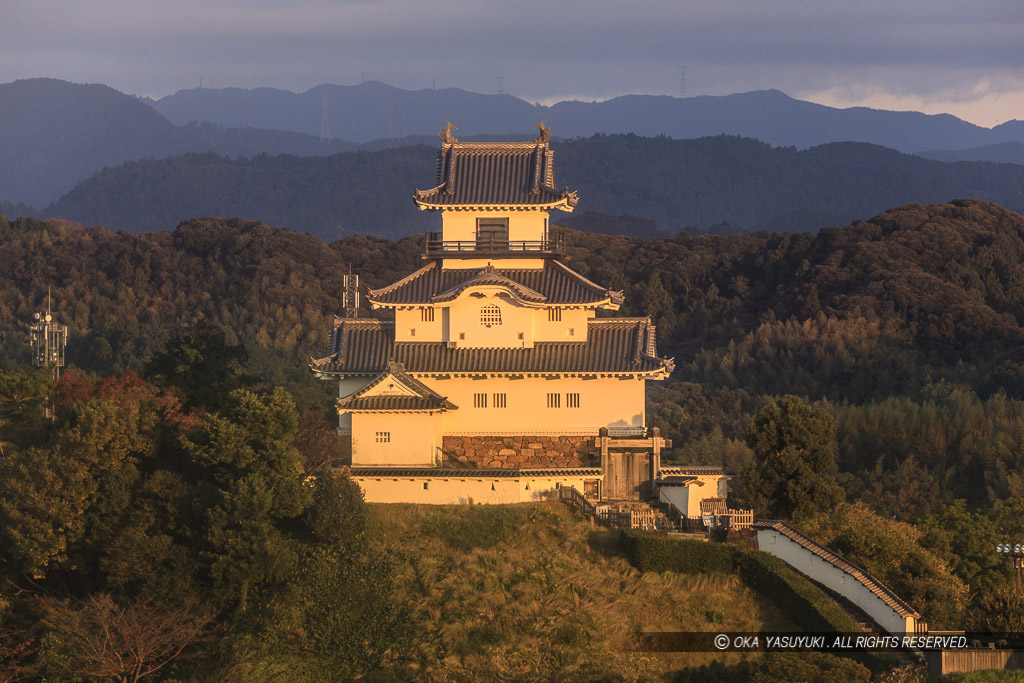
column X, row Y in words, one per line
column 867, row 51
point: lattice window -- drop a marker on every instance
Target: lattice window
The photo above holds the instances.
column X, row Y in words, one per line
column 554, row 400
column 490, row 315
column 427, row 315
column 479, row 400
column 554, row 315
column 572, row 400
column 499, row 400
column 383, row 437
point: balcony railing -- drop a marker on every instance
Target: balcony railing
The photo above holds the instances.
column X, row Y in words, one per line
column 437, row 246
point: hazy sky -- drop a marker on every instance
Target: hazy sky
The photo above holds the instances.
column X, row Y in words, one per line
column 964, row 58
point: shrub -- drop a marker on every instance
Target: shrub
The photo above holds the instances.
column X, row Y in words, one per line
column 811, row 667
column 649, row 552
column 796, row 596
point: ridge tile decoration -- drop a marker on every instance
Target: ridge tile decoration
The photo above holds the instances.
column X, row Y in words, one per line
column 488, row 376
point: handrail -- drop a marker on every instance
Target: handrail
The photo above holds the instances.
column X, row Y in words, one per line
column 435, row 244
column 578, row 500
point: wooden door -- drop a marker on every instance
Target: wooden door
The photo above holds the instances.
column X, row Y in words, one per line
column 627, row 476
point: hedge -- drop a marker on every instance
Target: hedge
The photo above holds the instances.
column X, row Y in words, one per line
column 652, row 553
column 796, row 596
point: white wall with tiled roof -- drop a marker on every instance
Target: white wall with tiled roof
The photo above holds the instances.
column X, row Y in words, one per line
column 838, row 575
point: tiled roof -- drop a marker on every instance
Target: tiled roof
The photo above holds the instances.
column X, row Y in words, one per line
column 673, row 480
column 613, row 346
column 868, row 581
column 554, row 284
column 692, row 470
column 425, row 400
column 495, row 174
column 472, row 472
column 358, row 346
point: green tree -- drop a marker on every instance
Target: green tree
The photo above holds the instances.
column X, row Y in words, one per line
column 795, row 470
column 254, row 480
column 338, row 513
column 893, row 553
column 201, row 363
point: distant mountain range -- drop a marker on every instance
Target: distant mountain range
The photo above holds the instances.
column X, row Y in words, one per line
column 1001, row 153
column 54, row 135
column 719, row 184
column 373, row 110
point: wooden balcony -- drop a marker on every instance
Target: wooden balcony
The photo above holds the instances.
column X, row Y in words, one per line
column 436, row 247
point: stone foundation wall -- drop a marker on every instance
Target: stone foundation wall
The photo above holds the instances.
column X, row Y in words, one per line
column 510, row 452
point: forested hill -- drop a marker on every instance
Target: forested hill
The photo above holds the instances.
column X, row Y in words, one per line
column 922, row 305
column 719, row 183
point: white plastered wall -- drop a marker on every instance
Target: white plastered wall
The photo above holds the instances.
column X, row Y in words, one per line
column 528, row 226
column 603, row 402
column 411, row 439
column 463, row 490
column 346, row 387
column 463, row 316
column 687, row 499
column 814, row 567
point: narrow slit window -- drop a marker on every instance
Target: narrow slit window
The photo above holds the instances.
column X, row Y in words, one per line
column 499, row 400
column 572, row 400
column 479, row 400
column 554, row 400
column 554, row 315
column 427, row 315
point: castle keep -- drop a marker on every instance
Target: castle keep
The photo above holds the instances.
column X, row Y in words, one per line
column 494, row 380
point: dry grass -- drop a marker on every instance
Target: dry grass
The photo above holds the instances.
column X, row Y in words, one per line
column 536, row 602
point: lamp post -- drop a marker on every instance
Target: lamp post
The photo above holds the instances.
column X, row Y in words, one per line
column 1017, row 552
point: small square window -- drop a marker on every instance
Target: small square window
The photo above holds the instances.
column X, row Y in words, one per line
column 462, row 336
column 412, row 331
column 572, row 331
column 425, row 487
column 522, row 335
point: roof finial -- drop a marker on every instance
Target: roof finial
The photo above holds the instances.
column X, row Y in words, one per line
column 545, row 133
column 446, row 131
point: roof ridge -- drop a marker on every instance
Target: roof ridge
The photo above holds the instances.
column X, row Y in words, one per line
column 408, row 278
column 583, row 279
column 632, row 320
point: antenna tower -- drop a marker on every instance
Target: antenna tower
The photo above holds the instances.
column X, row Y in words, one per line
column 350, row 297
column 325, row 125
column 48, row 340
